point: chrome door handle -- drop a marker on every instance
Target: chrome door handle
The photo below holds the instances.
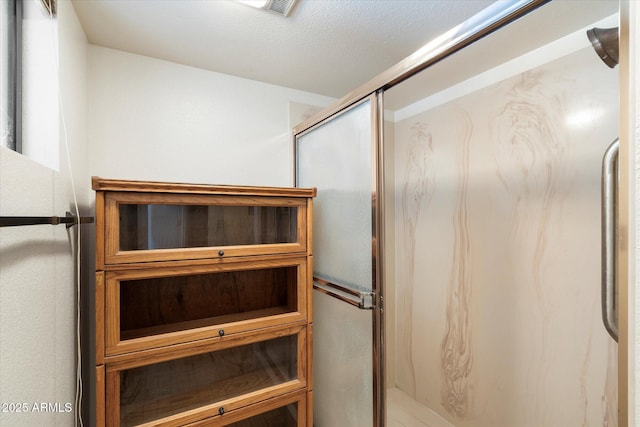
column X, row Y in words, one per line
column 609, row 239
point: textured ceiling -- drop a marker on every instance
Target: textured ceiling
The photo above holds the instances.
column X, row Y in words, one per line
column 328, row 47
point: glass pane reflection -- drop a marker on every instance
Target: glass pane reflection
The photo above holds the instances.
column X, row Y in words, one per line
column 156, row 391
column 151, row 226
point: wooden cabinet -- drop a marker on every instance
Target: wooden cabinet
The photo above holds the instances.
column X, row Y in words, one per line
column 203, row 305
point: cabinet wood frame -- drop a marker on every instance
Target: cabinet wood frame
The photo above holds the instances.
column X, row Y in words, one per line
column 114, row 355
column 100, row 395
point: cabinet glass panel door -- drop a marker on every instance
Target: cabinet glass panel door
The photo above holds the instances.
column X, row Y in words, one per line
column 156, row 307
column 146, row 227
column 160, row 226
column 208, row 383
column 337, row 158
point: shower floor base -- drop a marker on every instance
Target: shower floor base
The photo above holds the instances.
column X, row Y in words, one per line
column 404, row 411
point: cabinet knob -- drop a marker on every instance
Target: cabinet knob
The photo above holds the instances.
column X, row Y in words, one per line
column 221, row 410
column 221, row 332
column 221, row 253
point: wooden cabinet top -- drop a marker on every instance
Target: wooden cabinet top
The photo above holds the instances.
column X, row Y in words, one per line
column 102, row 184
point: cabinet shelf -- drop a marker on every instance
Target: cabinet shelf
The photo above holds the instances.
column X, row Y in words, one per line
column 203, row 323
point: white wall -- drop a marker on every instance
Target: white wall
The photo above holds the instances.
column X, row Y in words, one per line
column 37, row 273
column 156, row 120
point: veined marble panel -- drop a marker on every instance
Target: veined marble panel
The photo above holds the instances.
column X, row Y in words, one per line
column 498, row 251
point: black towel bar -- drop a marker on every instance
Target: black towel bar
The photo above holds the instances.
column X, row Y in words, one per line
column 69, row 219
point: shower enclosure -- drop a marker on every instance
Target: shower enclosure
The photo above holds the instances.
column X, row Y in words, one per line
column 458, row 238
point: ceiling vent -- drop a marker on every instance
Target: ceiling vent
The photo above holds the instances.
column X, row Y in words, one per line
column 281, row 7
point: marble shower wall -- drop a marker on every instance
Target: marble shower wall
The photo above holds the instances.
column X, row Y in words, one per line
column 498, row 251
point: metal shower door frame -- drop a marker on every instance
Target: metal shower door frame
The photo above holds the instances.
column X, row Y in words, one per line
column 364, row 300
column 467, row 33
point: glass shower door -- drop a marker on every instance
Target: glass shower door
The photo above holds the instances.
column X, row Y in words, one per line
column 338, row 157
column 496, row 317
